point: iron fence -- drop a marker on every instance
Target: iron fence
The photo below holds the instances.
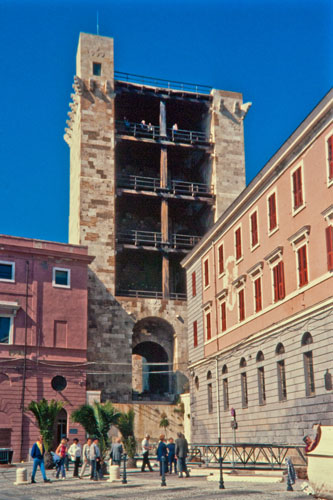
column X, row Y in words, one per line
column 138, row 182
column 162, row 83
column 150, row 294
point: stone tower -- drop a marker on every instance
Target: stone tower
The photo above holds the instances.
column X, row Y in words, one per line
column 153, row 163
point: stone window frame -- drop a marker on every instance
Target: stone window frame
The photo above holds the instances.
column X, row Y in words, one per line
column 274, row 191
column 281, row 372
column 222, row 273
column 225, row 387
column 256, row 272
column 241, row 257
column 255, row 211
column 12, row 264
column 273, row 259
column 11, row 328
column 329, row 181
column 262, row 393
column 308, row 363
column 299, row 240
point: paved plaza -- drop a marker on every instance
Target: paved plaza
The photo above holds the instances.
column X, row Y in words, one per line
column 143, row 486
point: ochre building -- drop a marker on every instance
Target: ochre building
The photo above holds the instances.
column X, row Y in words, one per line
column 260, row 307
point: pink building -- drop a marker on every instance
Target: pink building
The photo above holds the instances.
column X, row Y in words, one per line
column 260, row 307
column 43, row 335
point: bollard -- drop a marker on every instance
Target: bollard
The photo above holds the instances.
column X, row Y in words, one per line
column 163, row 483
column 124, row 481
column 114, row 473
column 21, row 476
column 221, row 483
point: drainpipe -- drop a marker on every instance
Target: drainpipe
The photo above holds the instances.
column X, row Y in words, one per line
column 24, row 375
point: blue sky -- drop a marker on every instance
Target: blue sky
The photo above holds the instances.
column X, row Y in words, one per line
column 277, row 53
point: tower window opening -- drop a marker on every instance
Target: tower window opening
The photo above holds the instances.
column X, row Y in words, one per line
column 97, row 69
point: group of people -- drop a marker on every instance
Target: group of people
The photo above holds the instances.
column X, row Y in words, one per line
column 175, row 454
column 90, row 455
column 149, row 127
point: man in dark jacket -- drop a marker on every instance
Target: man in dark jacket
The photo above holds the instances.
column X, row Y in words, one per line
column 37, row 453
column 181, row 454
column 116, row 452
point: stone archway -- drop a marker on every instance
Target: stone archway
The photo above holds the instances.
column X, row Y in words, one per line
column 152, row 360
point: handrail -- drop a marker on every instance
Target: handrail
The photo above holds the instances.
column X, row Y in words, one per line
column 155, row 238
column 149, row 294
column 162, row 83
column 248, row 455
column 153, row 183
column 125, row 127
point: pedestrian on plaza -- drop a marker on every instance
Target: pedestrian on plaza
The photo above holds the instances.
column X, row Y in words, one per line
column 181, row 452
column 61, row 451
column 116, row 452
column 171, row 455
column 145, row 452
column 67, row 456
column 86, row 456
column 75, row 452
column 162, row 451
column 37, row 453
column 95, row 460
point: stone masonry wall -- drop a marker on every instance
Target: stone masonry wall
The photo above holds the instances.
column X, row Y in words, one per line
column 228, row 175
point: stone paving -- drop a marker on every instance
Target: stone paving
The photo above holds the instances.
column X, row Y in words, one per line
column 140, row 487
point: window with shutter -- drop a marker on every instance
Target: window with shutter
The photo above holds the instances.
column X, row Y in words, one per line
column 257, row 293
column 210, row 398
column 302, row 266
column 272, row 212
column 330, row 157
column 223, row 316
column 241, row 305
column 238, row 243
column 194, row 285
column 278, row 282
column 195, row 334
column 261, row 386
column 206, row 273
column 297, row 188
column 329, row 247
column 208, row 326
column 221, row 260
column 309, row 374
column 254, row 229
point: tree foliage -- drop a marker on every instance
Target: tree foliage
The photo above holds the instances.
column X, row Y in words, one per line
column 164, row 422
column 97, row 420
column 46, row 413
column 126, row 427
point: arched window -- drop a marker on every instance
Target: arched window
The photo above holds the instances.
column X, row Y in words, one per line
column 196, row 382
column 225, row 388
column 308, row 365
column 210, row 392
column 260, row 356
column 281, row 373
column 245, row 400
column 279, row 349
column 307, row 339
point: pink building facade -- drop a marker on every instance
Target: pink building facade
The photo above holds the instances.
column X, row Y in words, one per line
column 43, row 336
column 260, row 307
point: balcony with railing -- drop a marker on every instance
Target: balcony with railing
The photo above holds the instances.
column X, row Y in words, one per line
column 153, row 132
column 176, row 187
column 149, row 294
column 154, row 239
column 160, row 83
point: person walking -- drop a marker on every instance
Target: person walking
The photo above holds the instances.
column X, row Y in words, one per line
column 116, row 452
column 75, row 452
column 181, row 452
column 37, row 453
column 95, row 460
column 162, row 451
column 85, row 456
column 171, row 455
column 61, row 451
column 145, row 452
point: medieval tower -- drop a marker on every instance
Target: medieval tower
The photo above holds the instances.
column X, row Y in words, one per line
column 152, row 165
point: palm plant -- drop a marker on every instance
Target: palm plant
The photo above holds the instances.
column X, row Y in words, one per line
column 46, row 413
column 126, row 427
column 97, row 420
column 164, row 422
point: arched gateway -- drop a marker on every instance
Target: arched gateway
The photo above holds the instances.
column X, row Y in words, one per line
column 152, row 360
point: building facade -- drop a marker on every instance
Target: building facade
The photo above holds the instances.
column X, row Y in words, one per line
column 260, row 306
column 152, row 165
column 43, row 336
